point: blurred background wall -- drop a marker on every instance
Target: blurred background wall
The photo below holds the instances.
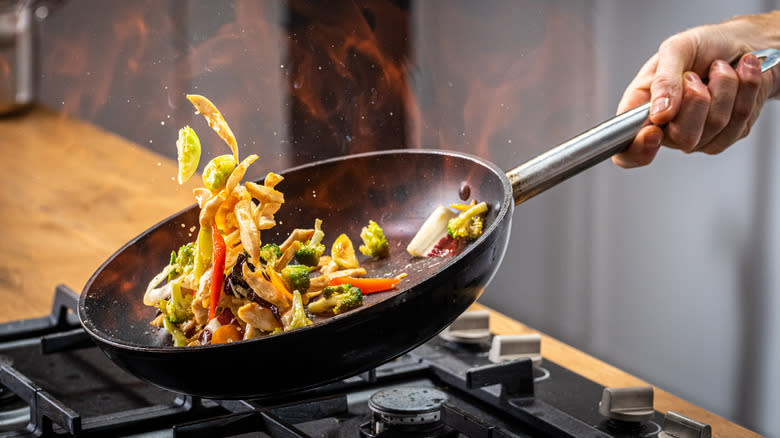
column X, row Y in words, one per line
column 669, row 272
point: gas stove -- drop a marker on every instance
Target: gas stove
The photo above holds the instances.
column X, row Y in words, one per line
column 465, row 382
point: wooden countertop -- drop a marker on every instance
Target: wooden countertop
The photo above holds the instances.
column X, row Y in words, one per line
column 72, row 194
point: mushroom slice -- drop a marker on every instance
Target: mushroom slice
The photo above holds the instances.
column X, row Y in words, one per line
column 319, row 283
column 287, row 255
column 258, row 316
column 297, row 235
column 250, row 235
column 238, row 174
column 272, row 179
column 264, row 289
column 264, row 194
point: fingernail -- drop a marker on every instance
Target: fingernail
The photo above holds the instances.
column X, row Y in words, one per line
column 752, row 62
column 692, row 78
column 660, row 105
column 653, row 140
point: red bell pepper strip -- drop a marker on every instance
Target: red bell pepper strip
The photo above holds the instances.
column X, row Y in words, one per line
column 218, row 271
column 367, row 285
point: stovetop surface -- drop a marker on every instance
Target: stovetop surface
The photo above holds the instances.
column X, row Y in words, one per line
column 80, row 391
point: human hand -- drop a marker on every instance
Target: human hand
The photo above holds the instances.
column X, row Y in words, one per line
column 688, row 114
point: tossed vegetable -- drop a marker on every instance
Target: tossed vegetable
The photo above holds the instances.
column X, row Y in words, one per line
column 337, row 299
column 217, row 172
column 367, row 285
column 227, row 285
column 296, row 317
column 309, row 253
column 431, row 232
column 188, row 153
column 296, row 277
column 269, row 253
column 469, row 224
column 343, row 253
column 215, row 120
column 374, row 241
column 218, row 271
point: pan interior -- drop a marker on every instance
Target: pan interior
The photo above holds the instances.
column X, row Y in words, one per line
column 397, row 189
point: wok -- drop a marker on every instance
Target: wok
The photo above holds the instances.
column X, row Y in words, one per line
column 398, row 189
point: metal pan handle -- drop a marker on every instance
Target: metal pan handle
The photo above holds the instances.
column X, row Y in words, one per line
column 591, row 147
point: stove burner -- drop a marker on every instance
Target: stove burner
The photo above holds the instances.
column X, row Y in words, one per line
column 14, row 412
column 407, row 411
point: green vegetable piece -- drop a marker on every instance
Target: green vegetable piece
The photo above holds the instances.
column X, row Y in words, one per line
column 296, row 277
column 188, row 153
column 217, row 172
column 469, row 224
column 309, row 253
column 269, row 253
column 204, row 249
column 182, row 261
column 178, row 308
column 299, row 318
column 374, row 241
column 337, row 299
column 179, row 340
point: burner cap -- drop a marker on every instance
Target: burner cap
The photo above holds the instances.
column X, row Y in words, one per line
column 407, row 405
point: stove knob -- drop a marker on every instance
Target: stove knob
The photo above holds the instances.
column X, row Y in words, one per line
column 632, row 404
column 513, row 347
column 679, row 426
column 472, row 327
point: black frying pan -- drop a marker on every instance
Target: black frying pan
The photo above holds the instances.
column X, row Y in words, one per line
column 398, row 189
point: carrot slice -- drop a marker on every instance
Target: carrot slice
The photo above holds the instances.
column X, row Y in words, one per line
column 226, row 333
column 278, row 283
column 367, row 285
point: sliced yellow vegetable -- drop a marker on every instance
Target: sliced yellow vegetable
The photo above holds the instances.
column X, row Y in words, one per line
column 188, row 148
column 343, row 253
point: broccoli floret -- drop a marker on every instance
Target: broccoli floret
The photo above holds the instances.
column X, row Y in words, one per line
column 179, row 339
column 178, row 308
column 182, row 261
column 309, row 253
column 296, row 277
column 269, row 253
column 296, row 316
column 469, row 224
column 374, row 241
column 337, row 299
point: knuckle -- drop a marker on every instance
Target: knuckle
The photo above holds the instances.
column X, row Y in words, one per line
column 665, row 82
column 717, row 120
column 741, row 114
column 685, row 141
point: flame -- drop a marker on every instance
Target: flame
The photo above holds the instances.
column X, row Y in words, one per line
column 301, row 81
column 348, row 66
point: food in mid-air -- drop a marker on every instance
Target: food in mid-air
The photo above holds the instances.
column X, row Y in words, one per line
column 229, row 285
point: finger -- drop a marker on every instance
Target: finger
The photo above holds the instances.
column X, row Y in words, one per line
column 675, row 56
column 684, row 132
column 642, row 150
column 723, row 84
column 638, row 91
column 745, row 104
